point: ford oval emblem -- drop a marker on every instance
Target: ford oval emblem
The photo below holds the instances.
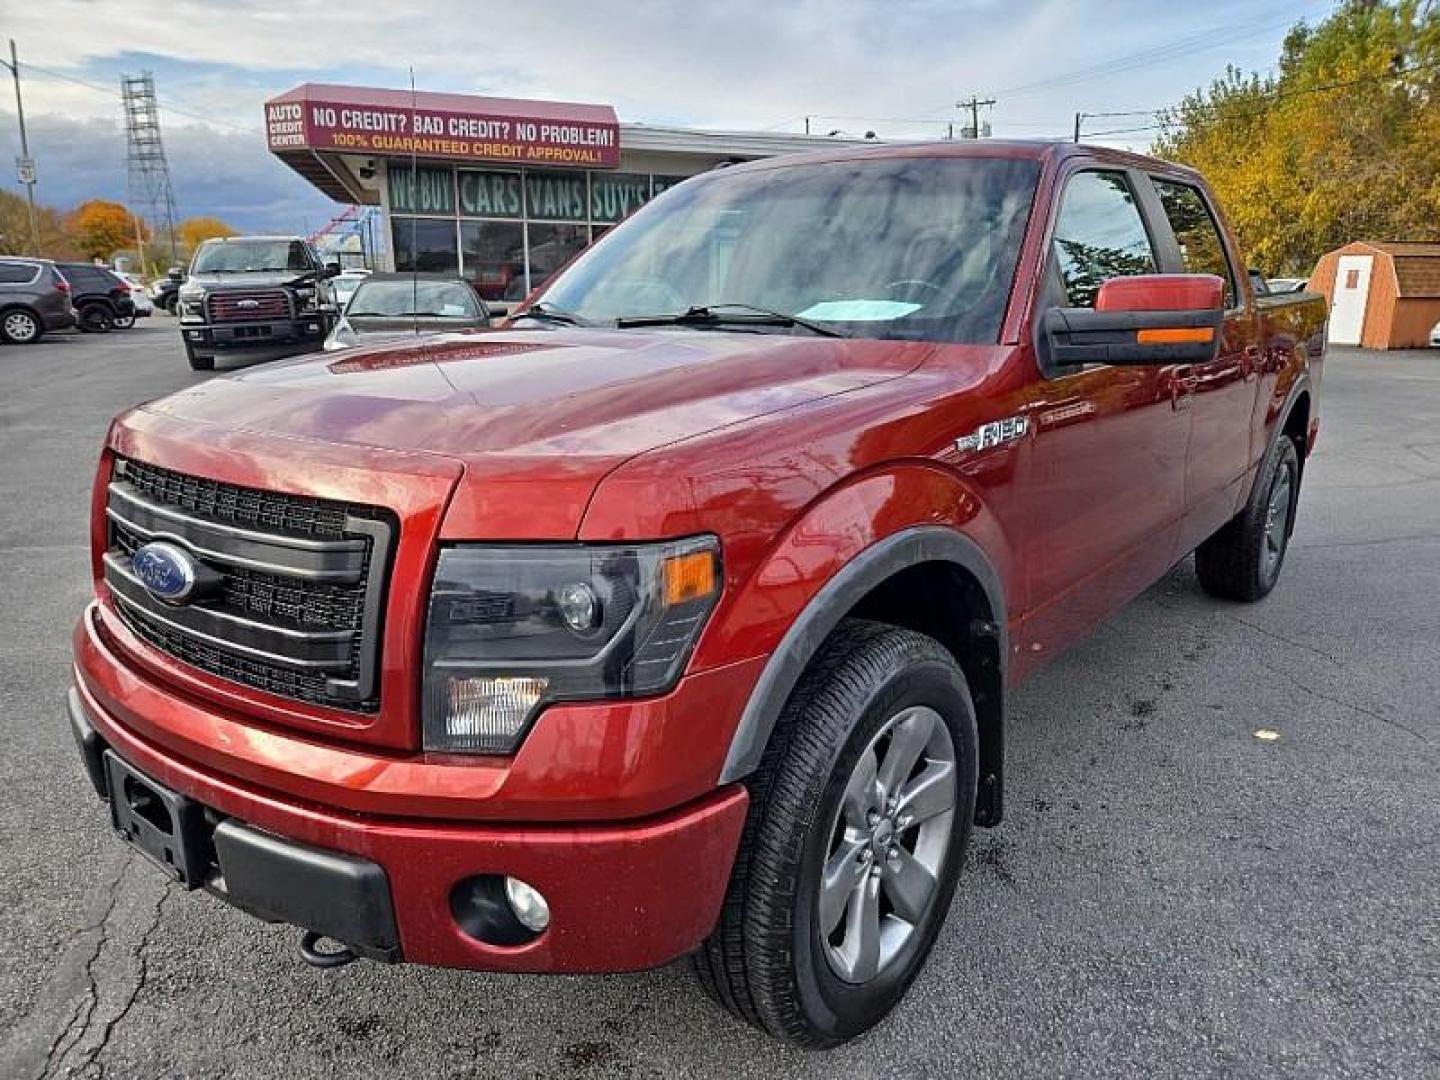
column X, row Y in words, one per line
column 166, row 571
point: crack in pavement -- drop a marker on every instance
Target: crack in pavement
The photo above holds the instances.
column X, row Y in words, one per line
column 143, row 963
column 1361, row 709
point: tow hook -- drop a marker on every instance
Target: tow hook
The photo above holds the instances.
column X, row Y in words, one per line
column 328, row 958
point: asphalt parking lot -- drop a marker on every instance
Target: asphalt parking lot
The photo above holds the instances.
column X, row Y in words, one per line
column 1169, row 895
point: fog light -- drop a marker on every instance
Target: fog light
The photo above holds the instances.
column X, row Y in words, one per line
column 527, row 903
column 197, row 335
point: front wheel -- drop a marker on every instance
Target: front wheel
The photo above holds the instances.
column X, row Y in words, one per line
column 860, row 813
column 197, row 362
column 1242, row 561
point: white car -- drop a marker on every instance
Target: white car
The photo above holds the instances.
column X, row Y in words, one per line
column 1435, row 336
column 346, row 284
column 139, row 293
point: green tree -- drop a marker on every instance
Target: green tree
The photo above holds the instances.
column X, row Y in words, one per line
column 1339, row 145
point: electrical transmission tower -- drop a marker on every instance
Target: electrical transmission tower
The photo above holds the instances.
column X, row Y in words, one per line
column 145, row 155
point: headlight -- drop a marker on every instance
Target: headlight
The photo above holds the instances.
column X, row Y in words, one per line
column 306, row 300
column 513, row 629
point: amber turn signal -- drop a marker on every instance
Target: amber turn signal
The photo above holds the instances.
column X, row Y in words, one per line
column 1184, row 335
column 689, row 577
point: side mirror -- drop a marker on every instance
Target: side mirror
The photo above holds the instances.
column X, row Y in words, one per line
column 1145, row 319
column 332, row 269
column 175, row 273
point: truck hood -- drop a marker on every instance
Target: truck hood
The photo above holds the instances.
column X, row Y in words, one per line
column 267, row 280
column 538, row 418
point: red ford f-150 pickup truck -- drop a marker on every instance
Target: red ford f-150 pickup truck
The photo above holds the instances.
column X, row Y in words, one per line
column 679, row 616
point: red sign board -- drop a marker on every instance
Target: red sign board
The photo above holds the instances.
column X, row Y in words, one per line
column 394, row 123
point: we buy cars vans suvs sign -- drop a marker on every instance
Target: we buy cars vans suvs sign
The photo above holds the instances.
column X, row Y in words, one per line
column 462, row 127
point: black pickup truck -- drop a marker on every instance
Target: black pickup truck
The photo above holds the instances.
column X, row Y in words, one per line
column 259, row 297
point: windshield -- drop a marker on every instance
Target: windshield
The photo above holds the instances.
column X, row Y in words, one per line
column 405, row 299
column 251, row 256
column 919, row 248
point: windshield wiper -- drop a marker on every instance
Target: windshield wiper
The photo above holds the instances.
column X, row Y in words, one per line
column 711, row 315
column 543, row 312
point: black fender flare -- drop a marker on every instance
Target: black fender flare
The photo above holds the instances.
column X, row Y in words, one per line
column 879, row 561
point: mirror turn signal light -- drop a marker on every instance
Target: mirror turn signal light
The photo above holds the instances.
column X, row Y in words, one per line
column 1183, row 335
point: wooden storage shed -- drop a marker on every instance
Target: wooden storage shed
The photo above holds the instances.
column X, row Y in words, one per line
column 1383, row 295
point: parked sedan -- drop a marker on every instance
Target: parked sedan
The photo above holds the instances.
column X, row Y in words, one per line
column 144, row 306
column 1435, row 336
column 394, row 305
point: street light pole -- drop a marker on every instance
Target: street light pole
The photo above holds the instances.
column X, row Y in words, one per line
column 26, row 166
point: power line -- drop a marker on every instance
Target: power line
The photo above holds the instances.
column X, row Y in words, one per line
column 110, row 93
column 1205, row 40
column 1270, row 99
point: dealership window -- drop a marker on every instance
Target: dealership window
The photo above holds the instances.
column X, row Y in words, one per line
column 507, row 230
column 426, row 245
column 557, row 196
column 552, row 246
column 491, row 194
column 615, row 196
column 421, row 190
column 494, row 255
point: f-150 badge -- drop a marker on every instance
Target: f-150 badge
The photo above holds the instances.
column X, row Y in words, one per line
column 994, row 433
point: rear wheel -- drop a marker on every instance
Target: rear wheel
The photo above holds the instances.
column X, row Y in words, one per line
column 1243, row 560
column 860, row 814
column 20, row 327
column 96, row 318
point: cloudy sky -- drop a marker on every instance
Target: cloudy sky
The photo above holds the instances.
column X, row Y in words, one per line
column 896, row 67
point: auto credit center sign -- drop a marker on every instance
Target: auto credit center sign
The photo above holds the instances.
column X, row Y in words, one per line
column 390, row 123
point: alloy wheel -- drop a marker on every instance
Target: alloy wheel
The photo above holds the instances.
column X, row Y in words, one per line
column 1278, row 512
column 888, row 844
column 20, row 327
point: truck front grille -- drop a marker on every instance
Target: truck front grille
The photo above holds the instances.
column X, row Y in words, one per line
column 294, row 608
column 249, row 304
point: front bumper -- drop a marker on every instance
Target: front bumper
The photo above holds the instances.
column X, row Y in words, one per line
column 622, row 897
column 281, row 336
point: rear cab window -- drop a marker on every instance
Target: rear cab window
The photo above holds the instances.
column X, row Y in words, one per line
column 1099, row 234
column 1202, row 248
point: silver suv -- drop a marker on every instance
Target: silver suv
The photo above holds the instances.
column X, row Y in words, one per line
column 34, row 298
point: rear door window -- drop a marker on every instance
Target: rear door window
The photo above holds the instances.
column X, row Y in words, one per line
column 1201, row 248
column 17, row 273
column 1099, row 235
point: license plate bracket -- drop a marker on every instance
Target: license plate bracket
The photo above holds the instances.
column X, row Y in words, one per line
column 166, row 827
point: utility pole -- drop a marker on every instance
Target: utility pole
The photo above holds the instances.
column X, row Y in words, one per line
column 974, row 105
column 25, row 164
column 1079, row 117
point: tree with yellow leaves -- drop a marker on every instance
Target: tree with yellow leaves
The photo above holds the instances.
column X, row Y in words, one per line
column 100, row 228
column 196, row 230
column 1342, row 144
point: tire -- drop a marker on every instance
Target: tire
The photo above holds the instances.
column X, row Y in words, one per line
column 20, row 327
column 123, row 322
column 782, row 956
column 96, row 319
column 198, row 363
column 1243, row 560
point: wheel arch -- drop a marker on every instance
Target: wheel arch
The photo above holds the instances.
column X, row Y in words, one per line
column 929, row 578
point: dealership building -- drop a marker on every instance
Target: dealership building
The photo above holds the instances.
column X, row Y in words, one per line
column 501, row 191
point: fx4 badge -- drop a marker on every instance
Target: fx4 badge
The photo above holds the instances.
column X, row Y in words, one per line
column 995, row 433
